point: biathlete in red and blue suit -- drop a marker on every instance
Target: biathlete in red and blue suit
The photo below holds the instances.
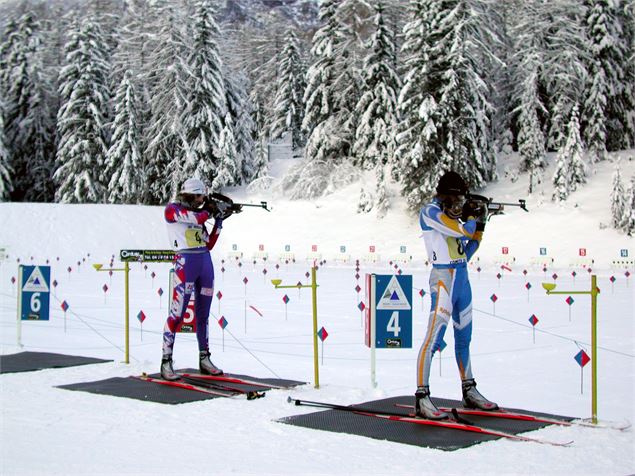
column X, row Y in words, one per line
column 450, row 242
column 193, row 271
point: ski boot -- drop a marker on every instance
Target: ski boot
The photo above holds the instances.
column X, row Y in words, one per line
column 167, row 371
column 206, row 366
column 473, row 399
column 424, row 408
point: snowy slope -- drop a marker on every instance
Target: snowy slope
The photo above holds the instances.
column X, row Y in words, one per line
column 45, row 430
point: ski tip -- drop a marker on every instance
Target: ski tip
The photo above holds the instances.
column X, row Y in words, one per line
column 289, row 399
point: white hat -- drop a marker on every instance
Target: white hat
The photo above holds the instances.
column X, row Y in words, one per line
column 194, row 186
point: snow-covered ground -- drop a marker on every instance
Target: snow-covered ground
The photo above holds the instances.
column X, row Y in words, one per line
column 46, row 430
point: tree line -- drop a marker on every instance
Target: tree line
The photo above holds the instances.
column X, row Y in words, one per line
column 119, row 102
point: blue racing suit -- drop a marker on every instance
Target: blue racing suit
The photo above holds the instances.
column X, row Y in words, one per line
column 193, row 271
column 450, row 244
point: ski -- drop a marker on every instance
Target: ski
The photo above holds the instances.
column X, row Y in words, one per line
column 449, row 424
column 187, row 386
column 225, row 378
column 502, row 413
column 251, row 394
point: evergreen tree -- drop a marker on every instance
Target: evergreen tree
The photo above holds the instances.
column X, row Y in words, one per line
column 629, row 219
column 527, row 98
column 202, row 120
column 165, row 146
column 564, row 69
column 227, row 171
column 619, row 208
column 445, row 100
column 288, row 106
column 6, row 186
column 319, row 96
column 377, row 108
column 123, row 160
column 382, row 202
column 29, row 120
column 608, row 102
column 82, row 118
column 570, row 168
column 240, row 110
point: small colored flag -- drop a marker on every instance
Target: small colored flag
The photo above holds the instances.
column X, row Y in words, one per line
column 533, row 319
column 361, row 306
column 285, row 299
column 245, row 280
column 554, row 276
column 582, row 358
column 569, row 300
column 358, row 289
column 105, row 287
column 160, row 292
column 64, row 306
column 141, row 316
column 494, row 297
column 219, row 295
column 322, row 334
column 222, row 322
column 528, row 286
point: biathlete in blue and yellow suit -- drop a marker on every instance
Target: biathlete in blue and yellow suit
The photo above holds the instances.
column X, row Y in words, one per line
column 450, row 242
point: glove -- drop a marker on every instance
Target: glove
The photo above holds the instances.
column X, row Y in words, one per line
column 474, row 210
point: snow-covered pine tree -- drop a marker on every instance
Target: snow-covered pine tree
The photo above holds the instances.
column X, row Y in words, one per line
column 365, row 203
column 165, row 150
column 6, row 186
column 82, row 117
column 288, row 108
column 226, row 172
column 29, row 121
column 240, row 109
column 619, row 207
column 202, row 119
column 629, row 221
column 527, row 99
column 610, row 30
column 570, row 167
column 445, row 99
column 123, row 159
column 564, row 70
column 382, row 202
column 376, row 109
column 607, row 57
column 330, row 99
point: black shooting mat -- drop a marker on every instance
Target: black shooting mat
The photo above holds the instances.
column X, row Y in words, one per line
column 412, row 433
column 30, row 361
column 130, row 387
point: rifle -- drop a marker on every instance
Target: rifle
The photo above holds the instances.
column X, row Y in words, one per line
column 495, row 208
column 221, row 206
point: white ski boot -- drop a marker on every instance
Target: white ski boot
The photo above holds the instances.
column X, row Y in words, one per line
column 167, row 371
column 473, row 399
column 206, row 366
column 424, row 408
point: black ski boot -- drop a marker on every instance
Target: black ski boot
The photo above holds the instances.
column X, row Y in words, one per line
column 424, row 408
column 167, row 371
column 206, row 366
column 473, row 399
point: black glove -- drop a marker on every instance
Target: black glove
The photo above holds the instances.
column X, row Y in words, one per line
column 475, row 209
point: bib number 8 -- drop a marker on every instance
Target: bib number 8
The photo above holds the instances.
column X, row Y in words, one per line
column 455, row 248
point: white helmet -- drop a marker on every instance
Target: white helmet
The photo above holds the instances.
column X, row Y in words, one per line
column 194, row 186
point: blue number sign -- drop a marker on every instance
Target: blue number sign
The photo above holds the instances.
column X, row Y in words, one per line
column 34, row 293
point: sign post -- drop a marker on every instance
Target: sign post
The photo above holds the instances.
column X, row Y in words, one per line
column 388, row 315
column 594, row 291
column 33, row 295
